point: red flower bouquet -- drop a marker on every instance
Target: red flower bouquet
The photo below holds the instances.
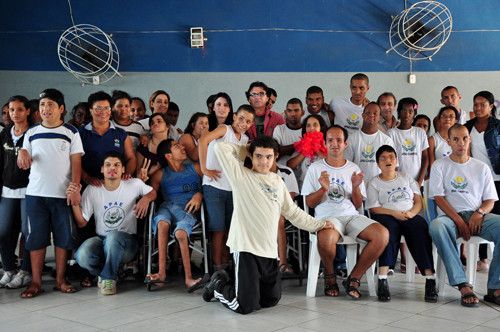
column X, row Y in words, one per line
column 310, row 144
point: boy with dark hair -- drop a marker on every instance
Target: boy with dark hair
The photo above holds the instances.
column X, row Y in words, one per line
column 260, row 198
column 290, row 132
column 53, row 150
column 315, row 102
column 115, row 211
column 121, row 102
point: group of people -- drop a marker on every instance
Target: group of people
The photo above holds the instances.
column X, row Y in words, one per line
column 358, row 165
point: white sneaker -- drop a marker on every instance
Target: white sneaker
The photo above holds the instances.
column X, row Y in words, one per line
column 6, row 278
column 21, row 279
column 108, row 287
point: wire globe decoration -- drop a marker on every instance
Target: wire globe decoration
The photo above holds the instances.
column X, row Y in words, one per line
column 420, row 31
column 89, row 54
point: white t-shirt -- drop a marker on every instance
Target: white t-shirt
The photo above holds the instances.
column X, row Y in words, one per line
column 347, row 114
column 287, row 175
column 50, row 150
column 134, row 130
column 113, row 210
column 409, row 145
column 463, row 117
column 286, row 136
column 478, row 151
column 361, row 149
column 441, row 146
column 172, row 131
column 337, row 201
column 213, row 163
column 322, row 112
column 396, row 194
column 465, row 186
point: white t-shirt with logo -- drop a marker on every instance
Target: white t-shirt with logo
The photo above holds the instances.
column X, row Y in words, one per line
column 347, row 114
column 465, row 186
column 361, row 149
column 396, row 194
column 337, row 201
column 113, row 210
column 409, row 145
column 441, row 147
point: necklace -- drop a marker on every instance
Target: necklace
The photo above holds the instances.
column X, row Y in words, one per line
column 365, row 141
column 19, row 131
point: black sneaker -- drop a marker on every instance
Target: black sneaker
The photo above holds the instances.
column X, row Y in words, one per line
column 217, row 277
column 341, row 273
column 431, row 292
column 384, row 295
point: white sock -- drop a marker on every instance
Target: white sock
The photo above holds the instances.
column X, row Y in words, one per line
column 431, row 277
column 382, row 276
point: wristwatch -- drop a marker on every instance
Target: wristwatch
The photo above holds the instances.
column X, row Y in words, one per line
column 480, row 211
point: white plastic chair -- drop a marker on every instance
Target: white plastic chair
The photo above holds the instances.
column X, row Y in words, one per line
column 351, row 253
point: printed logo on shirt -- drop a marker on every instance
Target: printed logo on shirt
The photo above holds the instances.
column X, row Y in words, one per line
column 353, row 120
column 368, row 152
column 113, row 215
column 459, row 183
column 271, row 193
column 15, row 149
column 398, row 195
column 64, row 146
column 117, row 142
column 446, row 154
column 336, row 192
column 408, row 146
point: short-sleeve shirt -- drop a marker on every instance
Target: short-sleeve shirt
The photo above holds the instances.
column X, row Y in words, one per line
column 409, row 145
column 465, row 186
column 113, row 210
column 396, row 194
column 347, row 114
column 96, row 146
column 134, row 130
column 286, row 136
column 441, row 147
column 361, row 149
column 288, row 177
column 50, row 150
column 337, row 201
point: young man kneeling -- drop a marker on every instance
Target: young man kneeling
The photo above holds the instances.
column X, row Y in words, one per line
column 260, row 197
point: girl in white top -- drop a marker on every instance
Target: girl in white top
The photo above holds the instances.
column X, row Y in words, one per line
column 197, row 127
column 410, row 142
column 438, row 145
column 216, row 186
column 300, row 163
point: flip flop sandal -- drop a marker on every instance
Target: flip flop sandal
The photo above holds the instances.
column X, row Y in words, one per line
column 31, row 294
column 331, row 287
column 69, row 289
column 349, row 288
column 467, row 296
column 491, row 297
column 200, row 284
column 286, row 269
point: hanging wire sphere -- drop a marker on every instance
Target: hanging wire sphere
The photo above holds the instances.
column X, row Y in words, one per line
column 420, row 31
column 89, row 54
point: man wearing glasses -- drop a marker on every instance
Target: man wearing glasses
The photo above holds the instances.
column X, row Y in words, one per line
column 265, row 119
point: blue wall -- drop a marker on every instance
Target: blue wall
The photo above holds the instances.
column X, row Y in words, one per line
column 29, row 32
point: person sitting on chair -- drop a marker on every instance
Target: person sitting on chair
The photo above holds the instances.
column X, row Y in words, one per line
column 180, row 186
column 464, row 192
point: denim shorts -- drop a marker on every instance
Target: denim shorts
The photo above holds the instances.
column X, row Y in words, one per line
column 45, row 215
column 219, row 204
column 175, row 215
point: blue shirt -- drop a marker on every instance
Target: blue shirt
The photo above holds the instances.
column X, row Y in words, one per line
column 181, row 186
column 96, row 146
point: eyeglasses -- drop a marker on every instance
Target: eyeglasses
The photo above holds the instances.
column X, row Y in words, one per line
column 255, row 94
column 102, row 109
column 451, row 117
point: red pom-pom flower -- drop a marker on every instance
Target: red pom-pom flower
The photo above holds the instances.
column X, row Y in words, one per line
column 310, row 144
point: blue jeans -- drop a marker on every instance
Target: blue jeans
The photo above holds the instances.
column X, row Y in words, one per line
column 102, row 255
column 12, row 219
column 444, row 234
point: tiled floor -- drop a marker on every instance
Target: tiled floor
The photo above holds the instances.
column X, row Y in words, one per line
column 172, row 308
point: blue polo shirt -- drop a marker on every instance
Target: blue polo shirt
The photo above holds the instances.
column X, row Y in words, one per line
column 95, row 146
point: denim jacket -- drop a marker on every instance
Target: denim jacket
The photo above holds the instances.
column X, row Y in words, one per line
column 491, row 140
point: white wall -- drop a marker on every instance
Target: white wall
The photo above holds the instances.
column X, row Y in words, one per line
column 190, row 90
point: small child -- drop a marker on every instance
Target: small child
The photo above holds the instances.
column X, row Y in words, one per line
column 53, row 150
